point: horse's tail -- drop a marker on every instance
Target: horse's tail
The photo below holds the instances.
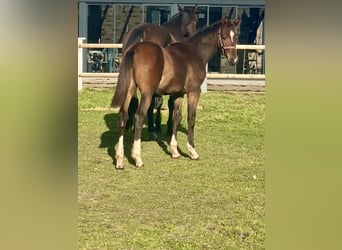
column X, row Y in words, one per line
column 135, row 36
column 124, row 80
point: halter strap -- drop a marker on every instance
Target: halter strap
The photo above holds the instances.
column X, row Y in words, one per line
column 220, row 43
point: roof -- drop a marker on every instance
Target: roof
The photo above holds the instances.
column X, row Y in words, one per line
column 199, row 2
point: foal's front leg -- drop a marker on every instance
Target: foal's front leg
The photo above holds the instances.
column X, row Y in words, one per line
column 192, row 106
column 154, row 124
column 177, row 117
column 169, row 120
column 150, row 121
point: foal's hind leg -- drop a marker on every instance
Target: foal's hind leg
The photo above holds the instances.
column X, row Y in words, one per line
column 119, row 155
column 133, row 106
column 139, row 121
column 123, row 117
column 177, row 117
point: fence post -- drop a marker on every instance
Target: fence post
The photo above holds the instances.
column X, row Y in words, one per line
column 80, row 41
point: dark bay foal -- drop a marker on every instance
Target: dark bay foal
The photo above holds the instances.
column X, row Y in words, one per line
column 178, row 69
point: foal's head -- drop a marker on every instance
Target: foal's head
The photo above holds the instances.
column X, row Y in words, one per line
column 227, row 38
column 188, row 20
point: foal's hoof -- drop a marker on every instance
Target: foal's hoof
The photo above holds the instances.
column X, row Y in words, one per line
column 175, row 155
column 138, row 161
column 193, row 153
column 194, row 157
column 119, row 167
column 139, row 164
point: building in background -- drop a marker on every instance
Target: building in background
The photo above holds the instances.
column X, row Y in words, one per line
column 102, row 21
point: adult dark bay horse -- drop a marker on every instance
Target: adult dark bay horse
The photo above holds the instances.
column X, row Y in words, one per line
column 177, row 69
column 177, row 29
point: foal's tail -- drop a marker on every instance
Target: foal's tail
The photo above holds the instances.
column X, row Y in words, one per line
column 125, row 78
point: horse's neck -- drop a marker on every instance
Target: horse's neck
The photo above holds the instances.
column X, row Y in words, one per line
column 205, row 46
column 174, row 28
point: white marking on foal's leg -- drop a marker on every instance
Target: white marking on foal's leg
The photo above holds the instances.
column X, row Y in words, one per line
column 193, row 153
column 174, row 150
column 136, row 153
column 119, row 153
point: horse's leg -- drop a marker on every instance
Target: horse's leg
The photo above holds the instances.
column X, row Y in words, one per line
column 192, row 105
column 158, row 102
column 139, row 121
column 154, row 124
column 119, row 155
column 151, row 129
column 119, row 148
column 133, row 106
column 169, row 120
column 158, row 120
column 177, row 117
column 123, row 117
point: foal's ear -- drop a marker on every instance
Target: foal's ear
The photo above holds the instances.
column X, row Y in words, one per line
column 224, row 20
column 194, row 10
column 236, row 22
column 180, row 9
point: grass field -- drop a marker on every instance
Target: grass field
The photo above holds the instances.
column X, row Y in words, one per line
column 216, row 202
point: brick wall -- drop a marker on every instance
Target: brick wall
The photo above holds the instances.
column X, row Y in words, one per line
column 120, row 12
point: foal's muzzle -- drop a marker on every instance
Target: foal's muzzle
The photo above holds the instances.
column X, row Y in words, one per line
column 233, row 61
column 228, row 51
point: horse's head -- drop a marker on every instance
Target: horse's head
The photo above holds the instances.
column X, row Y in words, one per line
column 188, row 20
column 227, row 37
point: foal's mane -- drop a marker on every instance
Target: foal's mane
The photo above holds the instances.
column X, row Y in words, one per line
column 205, row 30
column 173, row 19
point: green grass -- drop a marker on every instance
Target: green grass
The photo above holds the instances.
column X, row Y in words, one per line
column 217, row 202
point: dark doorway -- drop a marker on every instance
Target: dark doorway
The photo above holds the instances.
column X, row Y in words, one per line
column 94, row 23
column 215, row 14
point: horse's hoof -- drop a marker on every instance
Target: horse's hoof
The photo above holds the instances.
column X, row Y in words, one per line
column 139, row 164
column 193, row 153
column 119, row 164
column 194, row 157
column 138, row 161
column 119, row 167
column 175, row 156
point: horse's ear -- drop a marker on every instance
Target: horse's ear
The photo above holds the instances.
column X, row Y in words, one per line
column 180, row 9
column 194, row 10
column 224, row 20
column 236, row 22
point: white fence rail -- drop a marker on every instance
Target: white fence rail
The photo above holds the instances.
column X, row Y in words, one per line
column 81, row 74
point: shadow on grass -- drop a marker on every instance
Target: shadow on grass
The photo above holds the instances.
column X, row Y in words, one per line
column 110, row 137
